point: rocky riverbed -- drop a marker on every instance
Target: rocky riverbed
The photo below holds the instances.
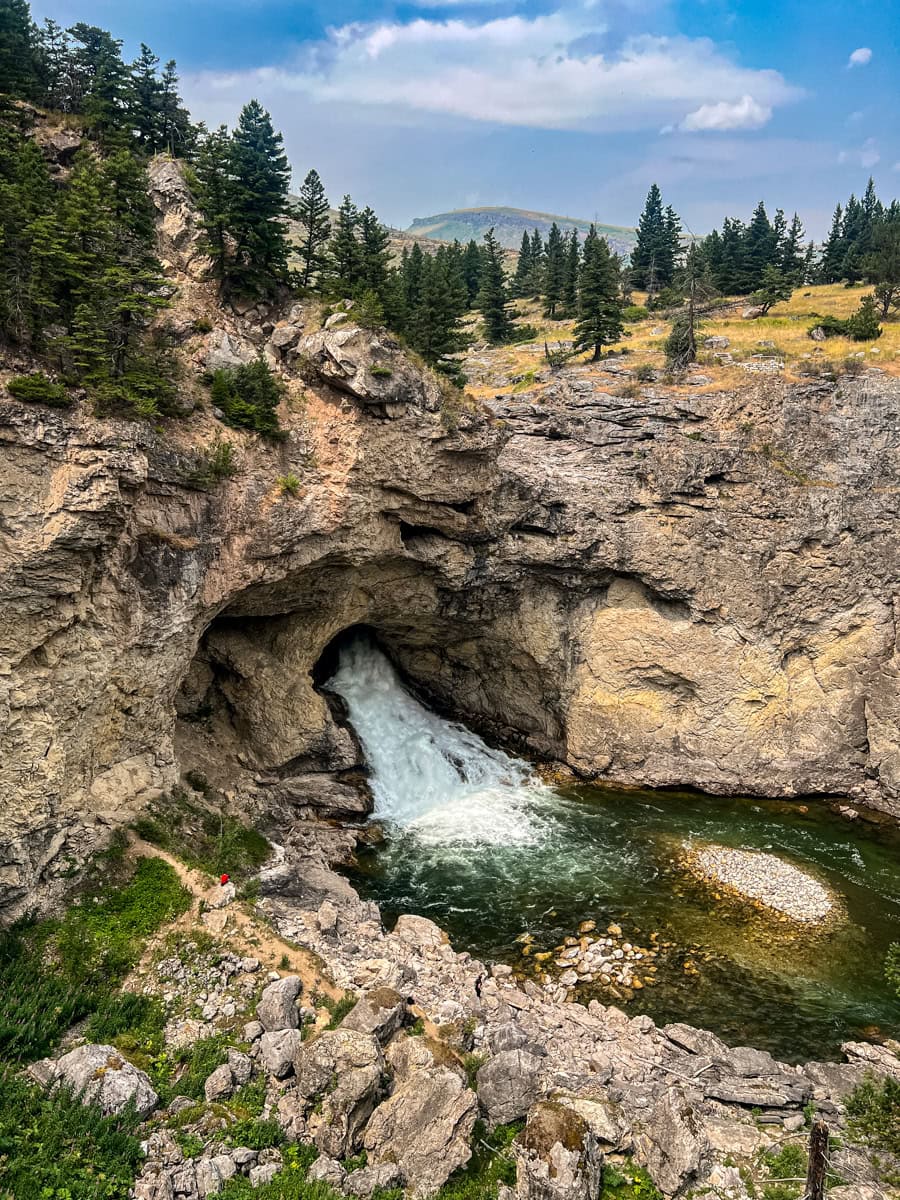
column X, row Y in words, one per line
column 765, row 879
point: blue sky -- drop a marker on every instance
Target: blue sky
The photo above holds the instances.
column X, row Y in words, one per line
column 568, row 106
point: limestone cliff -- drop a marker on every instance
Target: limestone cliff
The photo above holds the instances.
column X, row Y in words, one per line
column 681, row 588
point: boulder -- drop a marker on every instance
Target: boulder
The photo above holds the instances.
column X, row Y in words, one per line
column 604, row 1119
column 330, row 797
column 368, row 366
column 380, row 1012
column 219, row 1085
column 101, row 1076
column 880, row 1059
column 752, row 311
column 368, row 1180
column 278, row 1051
column 425, row 1128
column 673, row 1144
column 328, row 1170
column 508, row 1085
column 716, row 343
column 241, row 1067
column 211, row 1173
column 760, row 1091
column 263, row 1174
column 277, row 1008
column 223, row 352
column 508, row 1036
column 557, row 1156
column 339, row 1079
column 696, row 1041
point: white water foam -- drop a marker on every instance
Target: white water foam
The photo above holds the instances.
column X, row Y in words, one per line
column 430, row 776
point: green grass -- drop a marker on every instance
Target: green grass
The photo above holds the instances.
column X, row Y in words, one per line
column 787, row 1167
column 55, row 972
column 184, row 1070
column 628, row 1181
column 52, row 1147
column 291, row 1182
column 202, row 837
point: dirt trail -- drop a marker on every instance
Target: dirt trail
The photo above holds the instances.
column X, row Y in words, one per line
column 236, row 927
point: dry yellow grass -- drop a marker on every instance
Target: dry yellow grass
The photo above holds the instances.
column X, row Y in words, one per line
column 786, row 327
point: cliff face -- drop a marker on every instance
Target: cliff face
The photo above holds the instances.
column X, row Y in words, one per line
column 683, row 588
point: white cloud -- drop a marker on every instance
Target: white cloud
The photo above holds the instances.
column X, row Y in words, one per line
column 859, row 58
column 866, row 155
column 745, row 113
column 539, row 72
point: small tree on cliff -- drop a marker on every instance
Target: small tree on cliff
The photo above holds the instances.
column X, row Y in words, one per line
column 599, row 306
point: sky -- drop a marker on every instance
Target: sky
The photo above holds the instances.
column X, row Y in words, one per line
column 566, row 106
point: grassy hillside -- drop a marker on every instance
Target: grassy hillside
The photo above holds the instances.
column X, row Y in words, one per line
column 509, row 224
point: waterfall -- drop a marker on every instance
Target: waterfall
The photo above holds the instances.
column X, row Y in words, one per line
column 430, row 776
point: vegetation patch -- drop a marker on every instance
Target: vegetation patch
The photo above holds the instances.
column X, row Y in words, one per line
column 491, row 1164
column 627, row 1182
column 55, row 972
column 248, row 397
column 202, row 837
column 53, row 1147
column 39, row 389
column 874, row 1111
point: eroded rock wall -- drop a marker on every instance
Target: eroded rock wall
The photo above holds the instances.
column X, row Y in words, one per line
column 687, row 587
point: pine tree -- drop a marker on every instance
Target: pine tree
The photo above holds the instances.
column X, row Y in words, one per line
column 101, row 82
column 774, row 287
column 651, row 236
column 55, row 66
column 792, row 253
column 434, row 325
column 258, row 204
column 554, row 272
column 599, row 307
column 177, row 134
column 375, row 240
column 524, row 268
column 145, row 101
column 212, row 168
column 670, row 248
column 345, row 253
column 492, row 298
column 571, row 269
column 760, row 249
column 18, row 50
column 312, row 214
column 538, row 264
column 832, row 251
column 883, row 263
column 472, row 264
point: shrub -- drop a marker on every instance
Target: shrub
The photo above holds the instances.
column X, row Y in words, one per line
column 665, row 298
column 491, row 1165
column 288, row 485
column 874, row 1112
column 214, row 464
column 853, row 365
column 39, row 389
column 248, row 397
column 644, row 373
column 864, row 325
column 52, row 1145
column 58, row 971
column 522, row 332
column 627, row 1182
column 634, row 312
column 133, row 1023
column 203, row 325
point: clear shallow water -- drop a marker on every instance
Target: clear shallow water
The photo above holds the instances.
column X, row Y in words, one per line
column 477, row 843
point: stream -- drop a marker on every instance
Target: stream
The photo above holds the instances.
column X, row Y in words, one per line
column 475, row 841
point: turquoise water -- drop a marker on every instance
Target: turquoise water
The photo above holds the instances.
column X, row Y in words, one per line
column 474, row 840
column 605, row 855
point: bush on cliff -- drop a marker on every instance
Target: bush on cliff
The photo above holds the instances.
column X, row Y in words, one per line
column 39, row 389
column 248, row 397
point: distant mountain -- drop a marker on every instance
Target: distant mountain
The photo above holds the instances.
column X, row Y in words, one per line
column 508, row 224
